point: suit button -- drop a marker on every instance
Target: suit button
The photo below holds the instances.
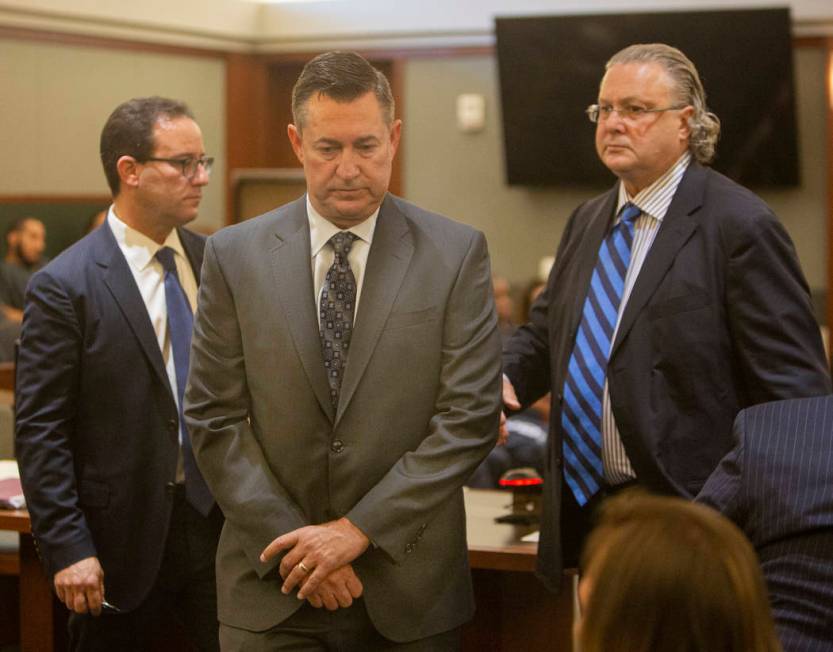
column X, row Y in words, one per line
column 409, row 548
column 337, row 446
column 172, row 425
column 170, row 487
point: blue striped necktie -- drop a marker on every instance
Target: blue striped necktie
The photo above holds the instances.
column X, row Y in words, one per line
column 180, row 325
column 581, row 413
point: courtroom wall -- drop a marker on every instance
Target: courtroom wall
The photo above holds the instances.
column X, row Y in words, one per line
column 56, row 98
column 462, row 174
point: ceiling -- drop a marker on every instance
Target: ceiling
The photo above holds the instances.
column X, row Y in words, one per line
column 261, row 26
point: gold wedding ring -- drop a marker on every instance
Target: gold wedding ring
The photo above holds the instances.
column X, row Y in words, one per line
column 303, row 567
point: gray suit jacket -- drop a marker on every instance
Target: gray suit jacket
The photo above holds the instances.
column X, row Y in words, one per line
column 418, row 411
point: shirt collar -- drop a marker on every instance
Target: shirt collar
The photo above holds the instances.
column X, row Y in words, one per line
column 655, row 199
column 140, row 250
column 321, row 229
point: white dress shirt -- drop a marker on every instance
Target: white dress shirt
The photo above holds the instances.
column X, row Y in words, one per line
column 320, row 232
column 140, row 253
column 654, row 202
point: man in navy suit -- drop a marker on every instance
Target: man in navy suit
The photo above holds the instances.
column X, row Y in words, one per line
column 675, row 300
column 776, row 485
column 117, row 510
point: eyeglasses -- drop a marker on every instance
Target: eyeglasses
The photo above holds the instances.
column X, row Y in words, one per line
column 630, row 113
column 188, row 164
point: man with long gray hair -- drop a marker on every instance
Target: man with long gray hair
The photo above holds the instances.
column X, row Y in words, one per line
column 676, row 299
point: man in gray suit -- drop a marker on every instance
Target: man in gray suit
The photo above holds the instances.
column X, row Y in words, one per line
column 345, row 382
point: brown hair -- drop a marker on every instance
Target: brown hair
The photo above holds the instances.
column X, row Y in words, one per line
column 672, row 576
column 344, row 77
column 129, row 132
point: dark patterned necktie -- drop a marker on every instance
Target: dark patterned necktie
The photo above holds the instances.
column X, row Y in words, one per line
column 335, row 312
column 180, row 324
column 581, row 413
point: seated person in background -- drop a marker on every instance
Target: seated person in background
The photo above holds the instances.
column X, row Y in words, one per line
column 665, row 575
column 533, row 290
column 526, row 443
column 504, row 306
column 25, row 244
column 525, row 446
column 775, row 484
column 95, row 221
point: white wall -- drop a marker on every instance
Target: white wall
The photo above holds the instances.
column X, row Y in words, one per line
column 55, row 101
column 360, row 23
column 243, row 24
column 207, row 23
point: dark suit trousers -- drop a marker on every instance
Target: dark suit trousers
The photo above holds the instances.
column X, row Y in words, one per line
column 319, row 630
column 577, row 522
column 184, row 593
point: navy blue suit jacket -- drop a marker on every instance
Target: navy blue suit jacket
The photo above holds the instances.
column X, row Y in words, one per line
column 719, row 319
column 96, row 421
column 777, row 485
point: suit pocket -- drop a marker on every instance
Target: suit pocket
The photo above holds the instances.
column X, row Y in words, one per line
column 411, row 318
column 93, row 494
column 685, row 303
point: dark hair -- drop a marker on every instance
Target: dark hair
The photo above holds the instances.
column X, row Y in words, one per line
column 344, row 77
column 668, row 574
column 129, row 132
column 17, row 224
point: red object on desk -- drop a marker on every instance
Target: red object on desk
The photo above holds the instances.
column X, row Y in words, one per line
column 520, row 482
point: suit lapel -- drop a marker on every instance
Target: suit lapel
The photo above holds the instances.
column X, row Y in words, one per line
column 120, row 282
column 387, row 263
column 290, row 257
column 676, row 229
column 586, row 258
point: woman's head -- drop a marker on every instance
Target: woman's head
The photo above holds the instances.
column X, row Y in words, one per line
column 666, row 575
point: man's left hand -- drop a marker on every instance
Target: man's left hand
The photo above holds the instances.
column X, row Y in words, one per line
column 314, row 552
column 338, row 590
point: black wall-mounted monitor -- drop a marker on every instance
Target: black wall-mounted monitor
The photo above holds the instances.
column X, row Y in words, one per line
column 550, row 68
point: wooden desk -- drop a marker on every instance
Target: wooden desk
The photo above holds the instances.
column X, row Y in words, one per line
column 514, row 610
column 41, row 628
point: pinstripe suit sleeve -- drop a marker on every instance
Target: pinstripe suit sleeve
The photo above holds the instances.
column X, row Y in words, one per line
column 723, row 489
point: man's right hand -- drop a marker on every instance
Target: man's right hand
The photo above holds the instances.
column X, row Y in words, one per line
column 510, row 400
column 81, row 586
column 337, row 590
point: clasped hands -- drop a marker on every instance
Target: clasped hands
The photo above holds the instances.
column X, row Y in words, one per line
column 318, row 561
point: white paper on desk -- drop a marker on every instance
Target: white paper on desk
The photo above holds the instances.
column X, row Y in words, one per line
column 532, row 537
column 11, row 494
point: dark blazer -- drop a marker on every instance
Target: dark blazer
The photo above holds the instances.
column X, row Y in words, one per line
column 719, row 319
column 418, row 411
column 777, row 485
column 97, row 424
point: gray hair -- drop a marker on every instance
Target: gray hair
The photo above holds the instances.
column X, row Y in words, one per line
column 704, row 125
column 344, row 77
